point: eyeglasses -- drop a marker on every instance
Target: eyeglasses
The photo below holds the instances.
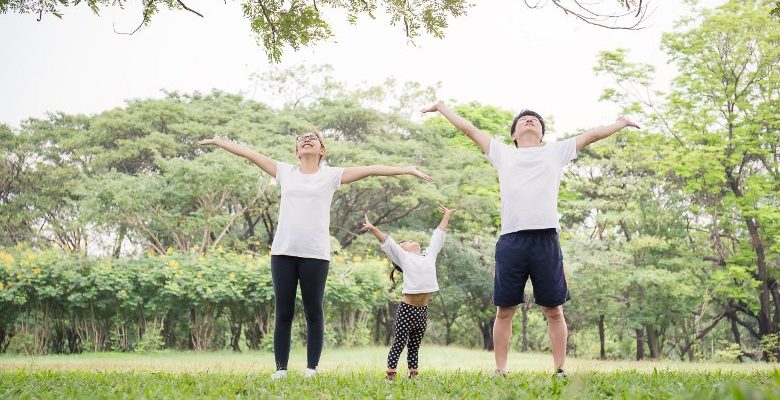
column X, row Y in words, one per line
column 308, row 138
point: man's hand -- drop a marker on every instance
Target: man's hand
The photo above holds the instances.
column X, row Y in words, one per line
column 433, row 107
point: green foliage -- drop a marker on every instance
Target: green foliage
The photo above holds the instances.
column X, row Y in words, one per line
column 713, row 179
column 131, row 298
column 770, row 344
column 278, row 24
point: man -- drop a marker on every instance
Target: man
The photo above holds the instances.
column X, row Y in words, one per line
column 529, row 175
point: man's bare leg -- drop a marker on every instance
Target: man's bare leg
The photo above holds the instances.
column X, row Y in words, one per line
column 502, row 331
column 558, row 332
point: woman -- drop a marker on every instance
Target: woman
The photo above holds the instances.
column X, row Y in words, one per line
column 301, row 247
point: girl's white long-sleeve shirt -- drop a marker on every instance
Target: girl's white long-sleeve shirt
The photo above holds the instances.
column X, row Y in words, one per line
column 419, row 269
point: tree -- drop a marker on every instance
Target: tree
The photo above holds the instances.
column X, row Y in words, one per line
column 40, row 175
column 277, row 24
column 721, row 130
column 15, row 171
column 725, row 105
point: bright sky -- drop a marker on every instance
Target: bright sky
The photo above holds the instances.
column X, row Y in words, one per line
column 502, row 53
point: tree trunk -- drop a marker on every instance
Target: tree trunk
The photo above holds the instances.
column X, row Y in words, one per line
column 776, row 299
column 74, row 341
column 140, row 326
column 378, row 323
column 169, row 331
column 764, row 320
column 524, row 341
column 392, row 311
column 765, row 323
column 652, row 343
column 254, row 332
column 119, row 239
column 191, row 343
column 690, row 353
column 6, row 333
column 235, row 336
column 640, row 344
column 486, row 327
column 602, row 350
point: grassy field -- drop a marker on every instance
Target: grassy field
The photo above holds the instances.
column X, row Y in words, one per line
column 358, row 373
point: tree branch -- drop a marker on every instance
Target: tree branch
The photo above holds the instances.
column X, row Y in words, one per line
column 184, row 6
column 268, row 19
column 591, row 17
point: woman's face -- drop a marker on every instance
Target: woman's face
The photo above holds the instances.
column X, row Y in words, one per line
column 309, row 143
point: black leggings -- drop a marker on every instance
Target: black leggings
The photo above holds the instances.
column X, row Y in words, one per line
column 410, row 324
column 286, row 271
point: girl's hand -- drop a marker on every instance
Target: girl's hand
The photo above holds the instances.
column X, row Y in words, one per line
column 367, row 226
column 446, row 211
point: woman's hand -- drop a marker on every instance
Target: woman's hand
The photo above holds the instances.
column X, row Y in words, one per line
column 414, row 171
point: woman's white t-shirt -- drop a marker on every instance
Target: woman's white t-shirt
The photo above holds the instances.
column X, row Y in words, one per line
column 303, row 229
column 419, row 269
column 529, row 178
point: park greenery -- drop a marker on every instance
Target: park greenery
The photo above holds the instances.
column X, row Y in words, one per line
column 119, row 233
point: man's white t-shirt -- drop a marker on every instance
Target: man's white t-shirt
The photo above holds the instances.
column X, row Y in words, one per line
column 529, row 178
column 303, row 229
column 419, row 269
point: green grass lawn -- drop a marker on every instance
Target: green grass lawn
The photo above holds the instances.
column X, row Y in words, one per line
column 358, row 373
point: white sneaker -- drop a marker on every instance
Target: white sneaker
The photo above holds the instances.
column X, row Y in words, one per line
column 282, row 373
column 310, row 373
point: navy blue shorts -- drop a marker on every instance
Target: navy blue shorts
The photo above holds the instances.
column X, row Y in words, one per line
column 530, row 253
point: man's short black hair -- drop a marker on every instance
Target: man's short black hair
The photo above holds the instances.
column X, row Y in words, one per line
column 523, row 114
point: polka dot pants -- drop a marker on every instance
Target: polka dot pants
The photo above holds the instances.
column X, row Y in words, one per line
column 410, row 324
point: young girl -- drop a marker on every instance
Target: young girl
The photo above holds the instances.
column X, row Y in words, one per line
column 419, row 269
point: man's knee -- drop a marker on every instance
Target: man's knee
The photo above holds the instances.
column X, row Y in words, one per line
column 553, row 313
column 505, row 313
